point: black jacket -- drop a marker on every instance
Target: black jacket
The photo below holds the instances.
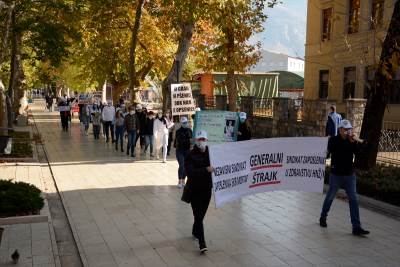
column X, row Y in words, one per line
column 245, row 132
column 142, row 122
column 182, row 138
column 196, row 163
column 148, row 127
column 342, row 153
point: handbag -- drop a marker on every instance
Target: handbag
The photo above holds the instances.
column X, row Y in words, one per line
column 187, row 193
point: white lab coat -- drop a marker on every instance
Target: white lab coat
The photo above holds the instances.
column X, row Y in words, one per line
column 161, row 132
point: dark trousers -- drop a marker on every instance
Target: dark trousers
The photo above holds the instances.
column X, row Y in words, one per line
column 64, row 121
column 200, row 202
column 96, row 131
column 119, row 136
column 109, row 127
column 181, row 154
column 131, row 143
column 349, row 184
column 169, row 143
column 142, row 140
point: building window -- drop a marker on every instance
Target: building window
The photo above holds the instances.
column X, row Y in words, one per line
column 369, row 80
column 354, row 16
column 326, row 24
column 377, row 13
column 323, row 84
column 349, row 82
column 394, row 95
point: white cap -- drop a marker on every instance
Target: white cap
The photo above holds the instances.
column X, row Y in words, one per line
column 184, row 120
column 243, row 115
column 201, row 134
column 345, row 124
column 197, row 109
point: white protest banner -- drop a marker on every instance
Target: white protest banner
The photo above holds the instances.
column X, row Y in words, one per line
column 261, row 165
column 182, row 99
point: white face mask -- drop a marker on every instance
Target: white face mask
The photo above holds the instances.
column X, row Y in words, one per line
column 202, row 145
column 131, row 112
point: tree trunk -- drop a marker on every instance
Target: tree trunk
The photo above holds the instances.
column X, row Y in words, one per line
column 187, row 28
column 132, row 52
column 6, row 31
column 3, row 49
column 378, row 97
column 13, row 72
column 230, row 57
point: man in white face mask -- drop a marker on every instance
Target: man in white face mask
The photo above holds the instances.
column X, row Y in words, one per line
column 198, row 169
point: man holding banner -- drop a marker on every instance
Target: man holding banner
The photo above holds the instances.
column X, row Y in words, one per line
column 343, row 147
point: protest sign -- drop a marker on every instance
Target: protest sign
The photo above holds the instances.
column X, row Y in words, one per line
column 261, row 165
column 182, row 99
column 64, row 108
column 221, row 126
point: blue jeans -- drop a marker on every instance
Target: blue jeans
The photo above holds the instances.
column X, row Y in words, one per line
column 181, row 154
column 131, row 143
column 149, row 140
column 119, row 136
column 349, row 184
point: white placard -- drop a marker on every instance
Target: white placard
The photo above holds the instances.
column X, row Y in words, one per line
column 182, row 99
column 261, row 165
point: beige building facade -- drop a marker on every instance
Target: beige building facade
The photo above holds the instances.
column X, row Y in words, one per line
column 343, row 44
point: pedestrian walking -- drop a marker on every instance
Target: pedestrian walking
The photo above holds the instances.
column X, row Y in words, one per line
column 64, row 113
column 86, row 119
column 119, row 130
column 142, row 116
column 96, row 120
column 332, row 123
column 170, row 131
column 182, row 145
column 244, row 132
column 131, row 127
column 342, row 149
column 108, row 116
column 149, row 134
column 198, row 169
column 161, row 133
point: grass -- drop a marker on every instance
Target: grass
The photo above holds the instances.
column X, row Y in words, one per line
column 21, row 145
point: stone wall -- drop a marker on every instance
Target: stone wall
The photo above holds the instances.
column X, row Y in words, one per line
column 285, row 121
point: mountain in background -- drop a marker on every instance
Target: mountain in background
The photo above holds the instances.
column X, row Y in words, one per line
column 285, row 28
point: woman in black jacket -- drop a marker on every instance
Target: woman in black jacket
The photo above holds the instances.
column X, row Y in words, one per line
column 198, row 170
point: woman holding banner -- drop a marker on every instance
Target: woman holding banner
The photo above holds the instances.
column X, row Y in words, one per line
column 198, row 169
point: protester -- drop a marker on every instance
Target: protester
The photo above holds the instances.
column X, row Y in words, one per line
column 131, row 127
column 119, row 130
column 142, row 116
column 182, row 144
column 161, row 133
column 244, row 132
column 86, row 118
column 49, row 103
column 96, row 120
column 108, row 116
column 170, row 131
column 342, row 149
column 332, row 124
column 198, row 169
column 149, row 134
column 64, row 113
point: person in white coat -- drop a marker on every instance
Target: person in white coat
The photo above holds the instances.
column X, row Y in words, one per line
column 108, row 116
column 161, row 132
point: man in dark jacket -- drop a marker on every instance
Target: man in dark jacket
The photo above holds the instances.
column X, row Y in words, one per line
column 342, row 148
column 182, row 145
column 198, row 169
column 141, row 113
column 131, row 127
column 244, row 132
column 148, row 132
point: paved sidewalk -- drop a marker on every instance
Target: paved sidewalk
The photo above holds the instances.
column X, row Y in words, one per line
column 36, row 241
column 128, row 213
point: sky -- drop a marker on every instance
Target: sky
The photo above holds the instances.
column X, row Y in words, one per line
column 285, row 28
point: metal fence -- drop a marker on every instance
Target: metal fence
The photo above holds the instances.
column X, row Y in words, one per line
column 262, row 107
column 389, row 143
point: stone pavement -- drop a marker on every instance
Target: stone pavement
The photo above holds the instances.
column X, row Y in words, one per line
column 36, row 241
column 126, row 213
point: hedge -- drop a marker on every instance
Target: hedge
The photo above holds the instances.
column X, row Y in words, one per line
column 381, row 182
column 19, row 199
